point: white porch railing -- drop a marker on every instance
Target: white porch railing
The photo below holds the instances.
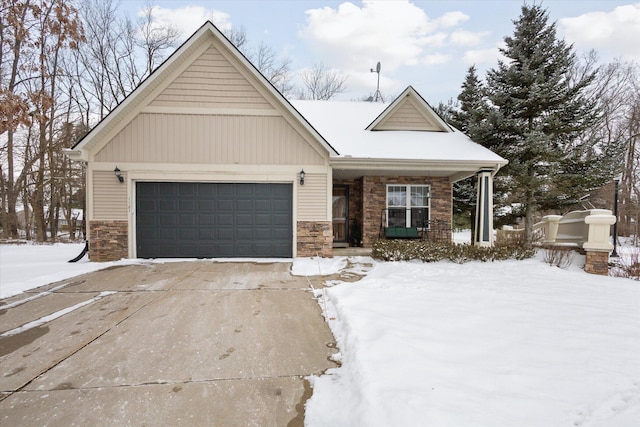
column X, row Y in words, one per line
column 589, row 230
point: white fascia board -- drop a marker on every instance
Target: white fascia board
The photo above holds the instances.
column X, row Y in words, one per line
column 77, row 155
column 436, row 165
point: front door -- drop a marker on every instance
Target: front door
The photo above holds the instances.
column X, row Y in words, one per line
column 340, row 216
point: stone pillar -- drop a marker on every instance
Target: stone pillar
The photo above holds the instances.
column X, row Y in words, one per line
column 108, row 240
column 598, row 246
column 597, row 263
column 484, row 209
column 314, row 238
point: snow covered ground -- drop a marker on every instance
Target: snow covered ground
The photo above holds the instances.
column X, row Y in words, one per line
column 516, row 343
column 28, row 266
column 24, row 267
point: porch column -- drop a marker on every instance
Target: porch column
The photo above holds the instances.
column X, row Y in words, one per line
column 484, row 209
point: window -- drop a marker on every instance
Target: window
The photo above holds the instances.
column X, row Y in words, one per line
column 412, row 209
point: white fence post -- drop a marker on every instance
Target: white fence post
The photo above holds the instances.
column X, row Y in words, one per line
column 598, row 245
column 550, row 228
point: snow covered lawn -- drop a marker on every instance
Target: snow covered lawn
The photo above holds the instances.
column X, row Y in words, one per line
column 28, row 266
column 516, row 343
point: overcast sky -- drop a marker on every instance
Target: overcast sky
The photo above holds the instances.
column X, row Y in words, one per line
column 426, row 44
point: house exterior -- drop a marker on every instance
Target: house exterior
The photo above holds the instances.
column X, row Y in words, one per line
column 207, row 159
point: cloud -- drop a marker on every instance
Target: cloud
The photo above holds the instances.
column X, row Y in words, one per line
column 451, row 19
column 188, row 19
column 488, row 57
column 466, row 38
column 436, row 59
column 612, row 34
column 395, row 33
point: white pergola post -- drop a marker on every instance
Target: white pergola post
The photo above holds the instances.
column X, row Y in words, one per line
column 484, row 209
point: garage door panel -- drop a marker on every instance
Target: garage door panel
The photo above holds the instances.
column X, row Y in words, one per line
column 225, row 220
column 225, row 205
column 244, row 219
column 169, row 190
column 213, row 220
column 279, row 233
column 263, row 233
column 205, row 234
column 244, row 206
column 244, row 234
column 281, row 205
column 206, row 205
column 262, row 205
column 280, row 219
column 167, row 220
column 226, row 234
column 187, row 219
column 188, row 205
column 187, row 189
column 205, row 219
column 262, row 219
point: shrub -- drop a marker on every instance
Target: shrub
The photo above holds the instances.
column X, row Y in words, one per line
column 406, row 250
column 627, row 265
column 558, row 256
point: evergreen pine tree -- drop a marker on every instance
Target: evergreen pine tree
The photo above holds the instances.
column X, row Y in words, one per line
column 468, row 119
column 538, row 111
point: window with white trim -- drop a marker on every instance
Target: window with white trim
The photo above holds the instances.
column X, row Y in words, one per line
column 408, row 205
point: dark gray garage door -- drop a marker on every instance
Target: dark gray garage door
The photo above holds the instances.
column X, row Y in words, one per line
column 205, row 220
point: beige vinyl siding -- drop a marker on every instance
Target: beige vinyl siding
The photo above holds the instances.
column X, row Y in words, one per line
column 168, row 138
column 109, row 196
column 211, row 81
column 312, row 198
column 408, row 117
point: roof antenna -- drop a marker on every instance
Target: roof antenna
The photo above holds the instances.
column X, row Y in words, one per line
column 377, row 94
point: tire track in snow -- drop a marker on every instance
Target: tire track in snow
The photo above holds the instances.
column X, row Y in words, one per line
column 48, row 318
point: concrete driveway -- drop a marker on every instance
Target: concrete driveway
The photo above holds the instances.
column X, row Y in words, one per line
column 184, row 343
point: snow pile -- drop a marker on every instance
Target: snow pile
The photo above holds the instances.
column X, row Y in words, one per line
column 317, row 266
column 481, row 344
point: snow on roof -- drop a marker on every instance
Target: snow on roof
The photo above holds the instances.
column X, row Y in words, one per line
column 343, row 125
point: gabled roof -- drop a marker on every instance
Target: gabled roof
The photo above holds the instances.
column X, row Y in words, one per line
column 348, row 127
column 411, row 112
column 132, row 103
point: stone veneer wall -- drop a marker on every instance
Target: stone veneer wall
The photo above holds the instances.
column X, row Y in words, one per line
column 315, row 238
column 374, row 200
column 597, row 263
column 108, row 240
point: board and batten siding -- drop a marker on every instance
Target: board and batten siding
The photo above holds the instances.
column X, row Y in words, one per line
column 211, row 81
column 408, row 117
column 217, row 139
column 109, row 196
column 312, row 198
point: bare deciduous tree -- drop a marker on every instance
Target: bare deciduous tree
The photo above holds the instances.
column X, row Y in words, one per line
column 34, row 35
column 276, row 69
column 321, row 83
column 154, row 39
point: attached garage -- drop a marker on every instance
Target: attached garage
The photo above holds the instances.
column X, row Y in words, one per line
column 205, row 159
column 209, row 220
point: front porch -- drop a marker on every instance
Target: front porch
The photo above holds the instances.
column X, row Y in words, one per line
column 371, row 207
column 364, row 205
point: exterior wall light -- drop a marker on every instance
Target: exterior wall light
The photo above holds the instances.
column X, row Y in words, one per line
column 118, row 174
column 302, row 177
